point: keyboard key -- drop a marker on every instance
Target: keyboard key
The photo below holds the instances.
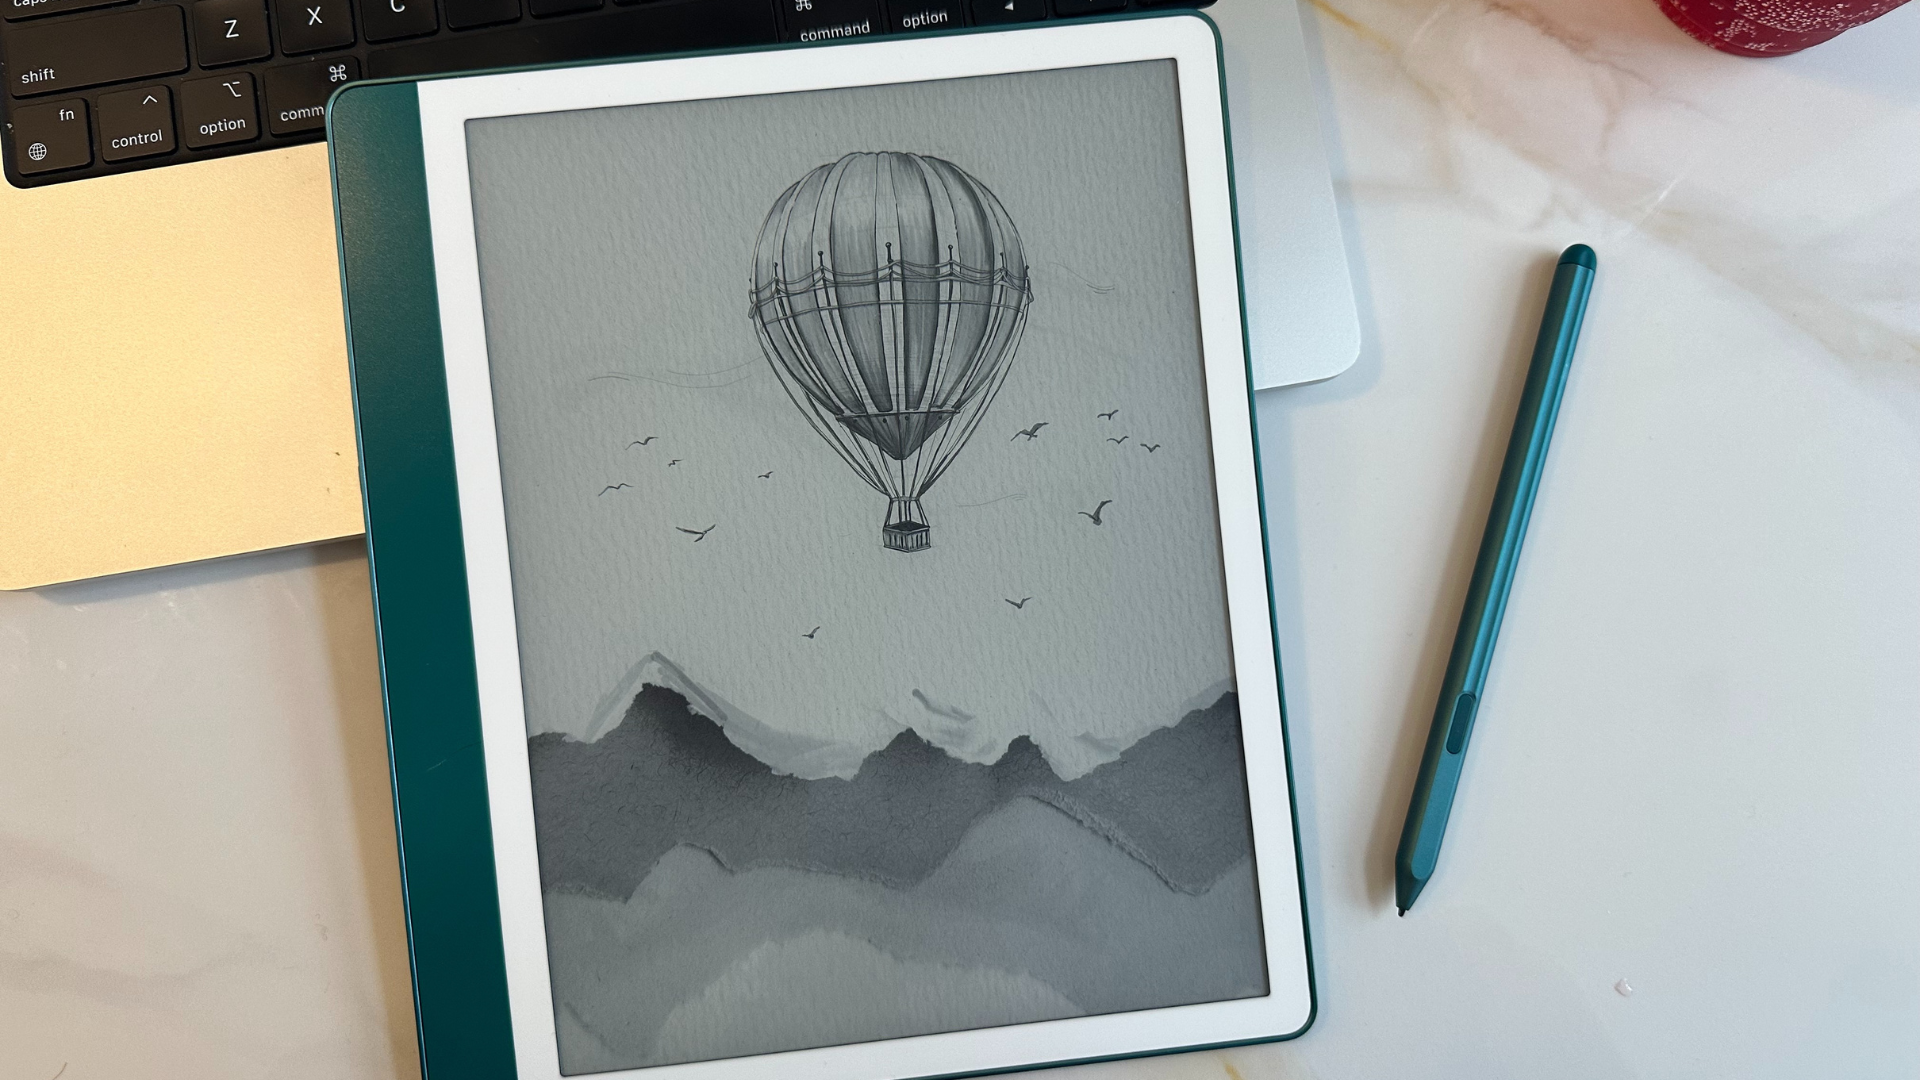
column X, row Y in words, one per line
column 649, row 28
column 229, row 31
column 1068, row 9
column 311, row 25
column 391, row 20
column 27, row 9
column 136, row 123
column 466, row 14
column 297, row 94
column 909, row 16
column 831, row 20
column 51, row 136
column 1007, row 11
column 560, row 7
column 72, row 53
column 218, row 111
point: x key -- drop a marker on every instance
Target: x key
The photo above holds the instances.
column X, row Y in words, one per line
column 311, row 25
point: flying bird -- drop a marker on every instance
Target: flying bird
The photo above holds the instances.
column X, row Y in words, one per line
column 1095, row 516
column 1031, row 433
column 1149, row 447
column 1119, row 440
column 1018, row 603
column 768, row 475
column 809, row 634
column 613, row 487
column 698, row 534
column 1107, row 415
column 641, row 442
column 674, row 462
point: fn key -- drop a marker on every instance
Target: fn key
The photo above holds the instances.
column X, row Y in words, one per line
column 297, row 93
column 51, row 136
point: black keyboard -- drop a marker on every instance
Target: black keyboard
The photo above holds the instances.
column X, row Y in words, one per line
column 95, row 87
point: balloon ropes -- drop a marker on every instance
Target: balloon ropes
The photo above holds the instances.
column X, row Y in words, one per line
column 889, row 292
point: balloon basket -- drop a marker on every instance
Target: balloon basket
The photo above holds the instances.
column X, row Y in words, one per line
column 906, row 527
column 906, row 536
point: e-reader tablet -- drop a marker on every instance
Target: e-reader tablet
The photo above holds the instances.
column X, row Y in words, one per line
column 819, row 561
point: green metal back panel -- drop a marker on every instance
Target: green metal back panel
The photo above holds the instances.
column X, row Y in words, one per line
column 420, row 584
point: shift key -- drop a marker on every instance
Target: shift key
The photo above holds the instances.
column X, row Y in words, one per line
column 43, row 58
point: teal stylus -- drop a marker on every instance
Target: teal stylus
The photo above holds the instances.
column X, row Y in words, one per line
column 1492, row 576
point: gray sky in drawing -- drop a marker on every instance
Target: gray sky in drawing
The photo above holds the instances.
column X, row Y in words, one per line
column 615, row 251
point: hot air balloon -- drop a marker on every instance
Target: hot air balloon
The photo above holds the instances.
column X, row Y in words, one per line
column 889, row 292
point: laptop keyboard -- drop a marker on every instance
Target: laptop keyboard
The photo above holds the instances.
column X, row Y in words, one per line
column 95, row 87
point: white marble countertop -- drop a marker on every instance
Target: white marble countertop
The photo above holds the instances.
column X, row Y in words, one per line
column 1694, row 774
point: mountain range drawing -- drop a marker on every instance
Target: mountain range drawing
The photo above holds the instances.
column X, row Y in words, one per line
column 701, row 904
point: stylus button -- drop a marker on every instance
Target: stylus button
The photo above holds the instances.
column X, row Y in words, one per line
column 909, row 17
column 1006, row 11
column 136, row 123
column 467, row 14
column 297, row 94
column 51, row 136
column 831, row 20
column 219, row 110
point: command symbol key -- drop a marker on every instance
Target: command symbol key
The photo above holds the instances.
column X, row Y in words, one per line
column 297, row 94
column 51, row 136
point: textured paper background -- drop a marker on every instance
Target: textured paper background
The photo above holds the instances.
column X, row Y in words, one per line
column 615, row 249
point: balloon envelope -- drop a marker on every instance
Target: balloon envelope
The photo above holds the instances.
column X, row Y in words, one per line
column 891, row 289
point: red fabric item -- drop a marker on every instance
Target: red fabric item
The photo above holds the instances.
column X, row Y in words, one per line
column 1771, row 27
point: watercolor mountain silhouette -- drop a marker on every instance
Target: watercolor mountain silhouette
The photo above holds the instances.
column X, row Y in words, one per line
column 689, row 882
column 606, row 811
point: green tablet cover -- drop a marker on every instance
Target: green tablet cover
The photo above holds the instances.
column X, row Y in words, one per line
column 420, row 583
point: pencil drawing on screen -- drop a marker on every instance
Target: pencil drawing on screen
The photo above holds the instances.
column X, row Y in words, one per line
column 889, row 291
column 793, row 787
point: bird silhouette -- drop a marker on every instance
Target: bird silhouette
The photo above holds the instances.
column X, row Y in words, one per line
column 674, row 462
column 1119, row 440
column 1149, row 447
column 1107, row 415
column 809, row 634
column 613, row 487
column 641, row 442
column 1031, row 433
column 1095, row 516
column 768, row 475
column 1018, row 603
column 698, row 534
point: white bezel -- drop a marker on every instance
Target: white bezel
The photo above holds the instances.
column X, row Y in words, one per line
column 445, row 107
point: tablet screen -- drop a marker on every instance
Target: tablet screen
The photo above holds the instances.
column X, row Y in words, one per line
column 865, row 562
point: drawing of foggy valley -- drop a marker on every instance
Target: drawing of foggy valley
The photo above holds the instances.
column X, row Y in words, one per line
column 816, row 758
column 701, row 905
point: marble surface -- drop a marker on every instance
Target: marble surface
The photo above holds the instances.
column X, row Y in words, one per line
column 1694, row 772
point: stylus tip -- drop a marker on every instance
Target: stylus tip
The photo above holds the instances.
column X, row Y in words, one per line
column 1403, row 913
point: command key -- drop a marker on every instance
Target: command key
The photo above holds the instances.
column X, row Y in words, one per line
column 297, row 94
